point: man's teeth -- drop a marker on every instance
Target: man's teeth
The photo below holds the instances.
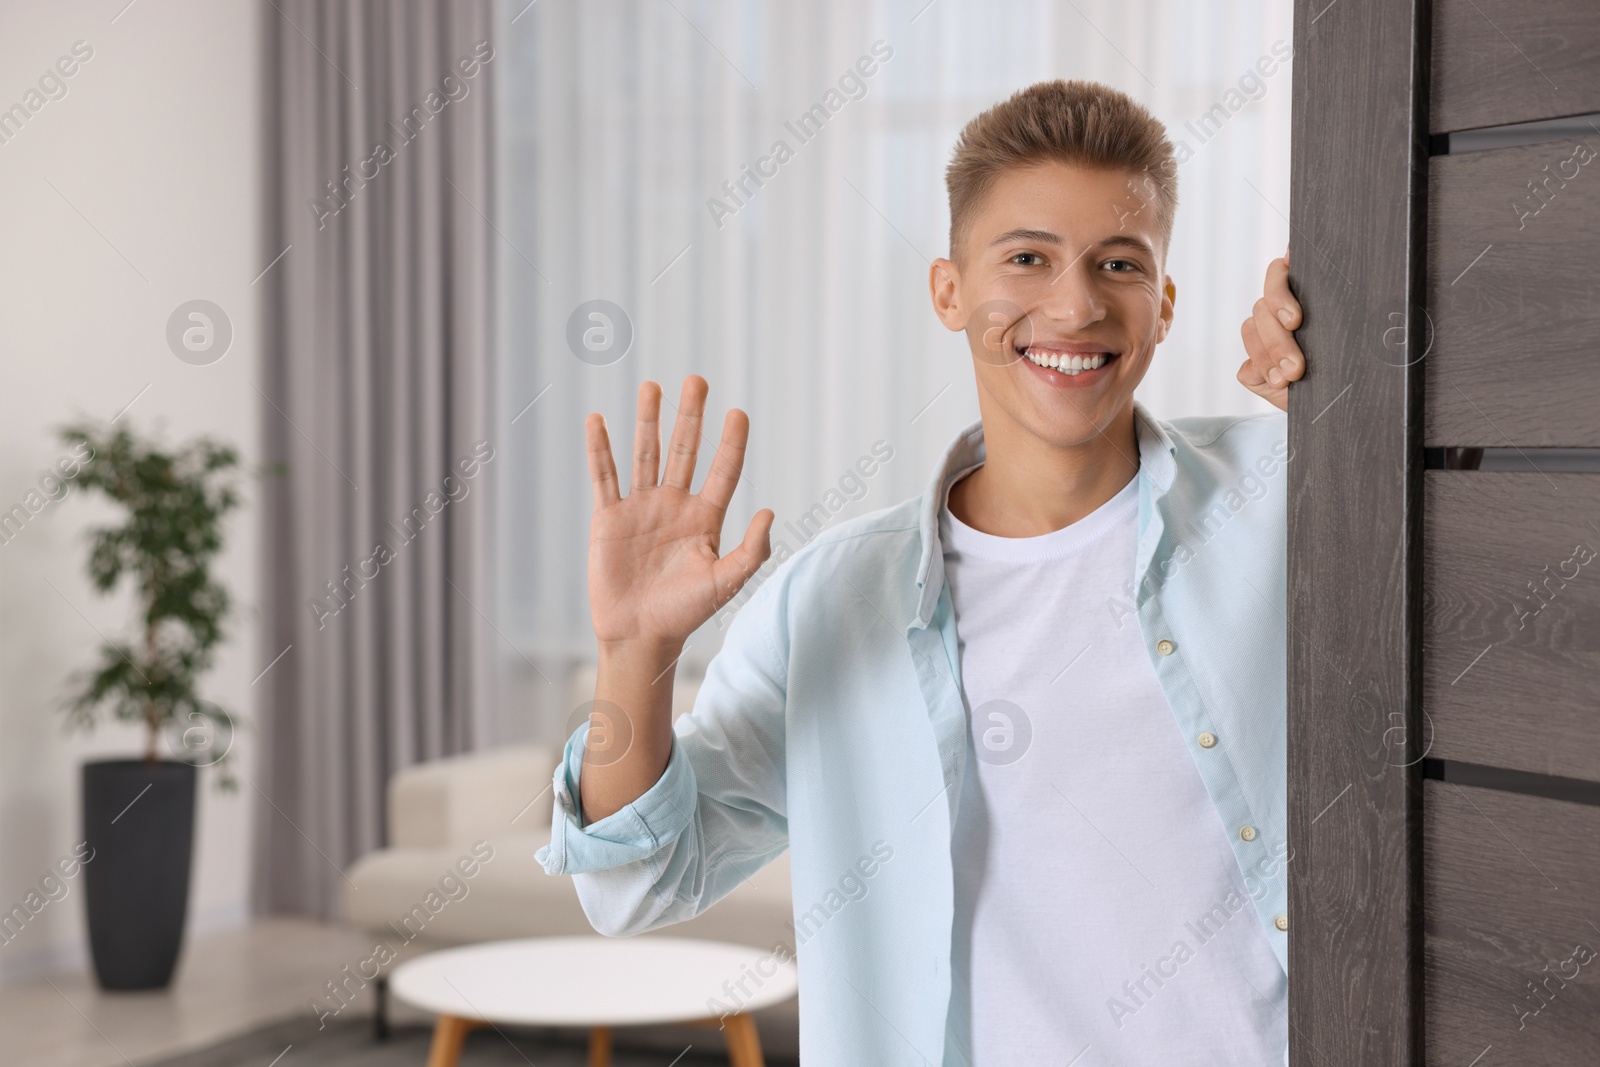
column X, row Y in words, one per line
column 1064, row 363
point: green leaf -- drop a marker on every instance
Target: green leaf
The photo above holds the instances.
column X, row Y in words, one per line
column 174, row 504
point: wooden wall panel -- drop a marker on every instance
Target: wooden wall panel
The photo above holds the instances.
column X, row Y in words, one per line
column 1356, row 215
column 1511, row 620
column 1504, row 61
column 1514, row 296
column 1511, row 890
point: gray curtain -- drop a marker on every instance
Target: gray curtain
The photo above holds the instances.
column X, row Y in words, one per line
column 376, row 393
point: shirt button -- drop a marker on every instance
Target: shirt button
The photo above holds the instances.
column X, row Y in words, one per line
column 1208, row 740
column 1165, row 647
column 1281, row 922
column 1247, row 833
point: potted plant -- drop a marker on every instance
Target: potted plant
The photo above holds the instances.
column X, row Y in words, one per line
column 138, row 814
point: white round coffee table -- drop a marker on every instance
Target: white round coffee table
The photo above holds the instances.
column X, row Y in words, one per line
column 599, row 983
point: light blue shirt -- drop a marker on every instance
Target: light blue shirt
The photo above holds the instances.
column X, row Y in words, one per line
column 832, row 724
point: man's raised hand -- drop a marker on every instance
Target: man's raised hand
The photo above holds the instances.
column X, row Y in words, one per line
column 654, row 571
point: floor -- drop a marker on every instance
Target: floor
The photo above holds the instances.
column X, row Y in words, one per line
column 228, row 982
column 298, row 1043
column 233, row 982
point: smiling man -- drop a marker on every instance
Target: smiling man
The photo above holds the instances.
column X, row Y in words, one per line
column 1039, row 709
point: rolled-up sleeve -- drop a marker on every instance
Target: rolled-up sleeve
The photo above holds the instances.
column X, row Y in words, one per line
column 717, row 814
column 635, row 832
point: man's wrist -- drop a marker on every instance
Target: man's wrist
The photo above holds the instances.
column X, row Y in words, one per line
column 633, row 706
column 635, row 651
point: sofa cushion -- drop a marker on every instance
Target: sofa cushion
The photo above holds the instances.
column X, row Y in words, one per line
column 479, row 795
column 405, row 894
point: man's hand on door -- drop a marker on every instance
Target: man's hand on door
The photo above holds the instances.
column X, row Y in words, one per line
column 1275, row 357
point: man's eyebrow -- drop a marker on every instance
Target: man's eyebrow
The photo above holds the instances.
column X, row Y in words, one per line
column 1124, row 241
column 1042, row 236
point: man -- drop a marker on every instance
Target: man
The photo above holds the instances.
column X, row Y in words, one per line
column 1034, row 717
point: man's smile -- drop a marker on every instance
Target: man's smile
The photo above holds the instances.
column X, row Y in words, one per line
column 1060, row 364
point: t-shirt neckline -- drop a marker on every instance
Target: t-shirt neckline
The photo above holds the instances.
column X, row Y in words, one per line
column 1071, row 538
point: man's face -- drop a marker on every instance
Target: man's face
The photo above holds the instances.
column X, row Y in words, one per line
column 1061, row 263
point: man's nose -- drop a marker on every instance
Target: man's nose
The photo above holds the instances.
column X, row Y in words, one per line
column 1071, row 298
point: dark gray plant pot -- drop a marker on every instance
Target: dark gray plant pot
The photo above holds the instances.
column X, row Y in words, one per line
column 138, row 818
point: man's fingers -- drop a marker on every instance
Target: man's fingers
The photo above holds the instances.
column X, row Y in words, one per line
column 1278, row 355
column 723, row 477
column 686, row 433
column 602, row 469
column 647, row 438
column 734, row 569
column 1250, row 378
column 1276, row 292
column 1259, row 362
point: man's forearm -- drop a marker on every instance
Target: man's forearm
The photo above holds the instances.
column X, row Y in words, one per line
column 630, row 727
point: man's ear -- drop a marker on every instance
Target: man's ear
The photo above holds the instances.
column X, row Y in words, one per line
column 944, row 279
column 1169, row 297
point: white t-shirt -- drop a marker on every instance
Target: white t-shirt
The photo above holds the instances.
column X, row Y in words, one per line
column 1093, row 874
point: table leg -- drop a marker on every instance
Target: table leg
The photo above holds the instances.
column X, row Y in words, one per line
column 744, row 1043
column 600, row 1046
column 449, row 1031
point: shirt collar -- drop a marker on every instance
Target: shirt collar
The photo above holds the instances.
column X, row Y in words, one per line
column 1156, row 463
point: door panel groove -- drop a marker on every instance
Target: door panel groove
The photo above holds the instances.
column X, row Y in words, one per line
column 1527, row 460
column 1518, row 133
column 1507, row 780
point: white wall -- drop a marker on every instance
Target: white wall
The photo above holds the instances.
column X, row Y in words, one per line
column 153, row 158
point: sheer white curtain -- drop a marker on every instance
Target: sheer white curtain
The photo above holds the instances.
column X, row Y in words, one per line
column 804, row 300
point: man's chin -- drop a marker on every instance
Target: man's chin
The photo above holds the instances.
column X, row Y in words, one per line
column 1082, row 423
column 1061, row 418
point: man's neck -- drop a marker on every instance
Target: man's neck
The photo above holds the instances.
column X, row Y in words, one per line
column 1028, row 487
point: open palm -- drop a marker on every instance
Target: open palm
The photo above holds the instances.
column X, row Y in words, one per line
column 654, row 570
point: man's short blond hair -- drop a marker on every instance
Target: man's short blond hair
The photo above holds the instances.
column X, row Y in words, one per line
column 1078, row 122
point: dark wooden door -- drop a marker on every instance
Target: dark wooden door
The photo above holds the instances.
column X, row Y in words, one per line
column 1444, row 534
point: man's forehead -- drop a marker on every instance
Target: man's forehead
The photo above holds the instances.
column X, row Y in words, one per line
column 1109, row 207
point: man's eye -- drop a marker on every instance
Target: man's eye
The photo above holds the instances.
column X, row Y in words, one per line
column 1120, row 266
column 1027, row 259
